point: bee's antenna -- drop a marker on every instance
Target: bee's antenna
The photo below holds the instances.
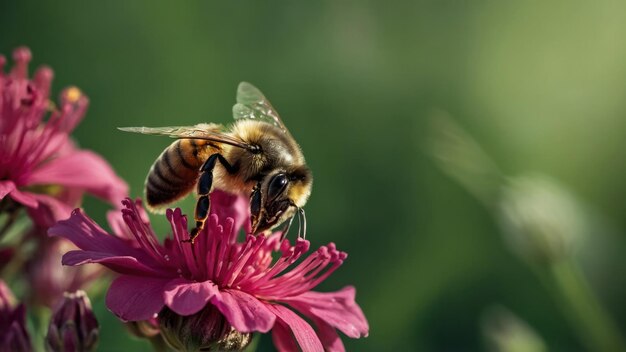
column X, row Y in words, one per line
column 302, row 221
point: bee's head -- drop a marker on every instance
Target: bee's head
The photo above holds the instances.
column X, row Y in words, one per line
column 278, row 196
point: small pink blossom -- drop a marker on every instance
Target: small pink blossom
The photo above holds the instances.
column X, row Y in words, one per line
column 40, row 167
column 253, row 291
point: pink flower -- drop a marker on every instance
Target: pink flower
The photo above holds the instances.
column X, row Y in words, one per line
column 253, row 291
column 40, row 167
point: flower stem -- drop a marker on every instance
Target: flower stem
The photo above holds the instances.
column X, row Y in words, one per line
column 595, row 327
column 24, row 249
column 40, row 321
column 9, row 222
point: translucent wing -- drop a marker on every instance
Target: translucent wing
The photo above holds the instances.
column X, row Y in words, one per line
column 209, row 132
column 253, row 105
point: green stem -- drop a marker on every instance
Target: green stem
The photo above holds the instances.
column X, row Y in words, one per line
column 22, row 254
column 10, row 220
column 595, row 327
column 40, row 321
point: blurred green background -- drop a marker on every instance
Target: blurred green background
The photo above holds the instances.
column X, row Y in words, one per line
column 540, row 85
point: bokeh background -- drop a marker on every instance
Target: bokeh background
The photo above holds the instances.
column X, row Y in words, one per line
column 539, row 85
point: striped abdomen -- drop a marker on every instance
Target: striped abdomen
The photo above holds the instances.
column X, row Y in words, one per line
column 175, row 172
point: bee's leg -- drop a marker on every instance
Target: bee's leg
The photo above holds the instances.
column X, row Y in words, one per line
column 205, row 182
column 255, row 206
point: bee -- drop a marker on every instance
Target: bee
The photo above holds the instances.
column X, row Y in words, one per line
column 255, row 156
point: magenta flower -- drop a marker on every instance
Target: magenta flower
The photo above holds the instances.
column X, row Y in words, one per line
column 253, row 291
column 40, row 167
column 13, row 334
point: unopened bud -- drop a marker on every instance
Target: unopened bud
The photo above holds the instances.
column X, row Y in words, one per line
column 505, row 332
column 73, row 326
column 207, row 330
column 542, row 221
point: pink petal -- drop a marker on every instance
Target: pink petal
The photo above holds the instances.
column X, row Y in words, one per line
column 6, row 187
column 337, row 309
column 87, row 235
column 85, row 170
column 49, row 210
column 243, row 311
column 25, row 198
column 121, row 264
column 329, row 337
column 117, row 224
column 304, row 333
column 134, row 298
column 283, row 338
column 187, row 297
column 58, row 145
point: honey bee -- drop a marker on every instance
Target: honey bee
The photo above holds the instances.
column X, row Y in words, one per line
column 255, row 156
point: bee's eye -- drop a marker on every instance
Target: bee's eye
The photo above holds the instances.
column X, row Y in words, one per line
column 277, row 186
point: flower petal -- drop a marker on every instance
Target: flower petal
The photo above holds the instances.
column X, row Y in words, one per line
column 304, row 333
column 243, row 311
column 186, row 297
column 25, row 198
column 117, row 224
column 337, row 309
column 329, row 337
column 6, row 187
column 85, row 170
column 121, row 264
column 49, row 210
column 283, row 338
column 87, row 235
column 134, row 298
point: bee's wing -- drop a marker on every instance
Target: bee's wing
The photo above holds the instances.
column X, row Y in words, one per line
column 209, row 132
column 253, row 105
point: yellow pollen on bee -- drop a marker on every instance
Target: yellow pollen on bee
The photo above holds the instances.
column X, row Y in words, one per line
column 73, row 94
column 299, row 194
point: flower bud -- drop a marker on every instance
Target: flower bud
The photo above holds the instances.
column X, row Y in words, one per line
column 207, row 330
column 542, row 221
column 73, row 326
column 13, row 334
column 505, row 332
